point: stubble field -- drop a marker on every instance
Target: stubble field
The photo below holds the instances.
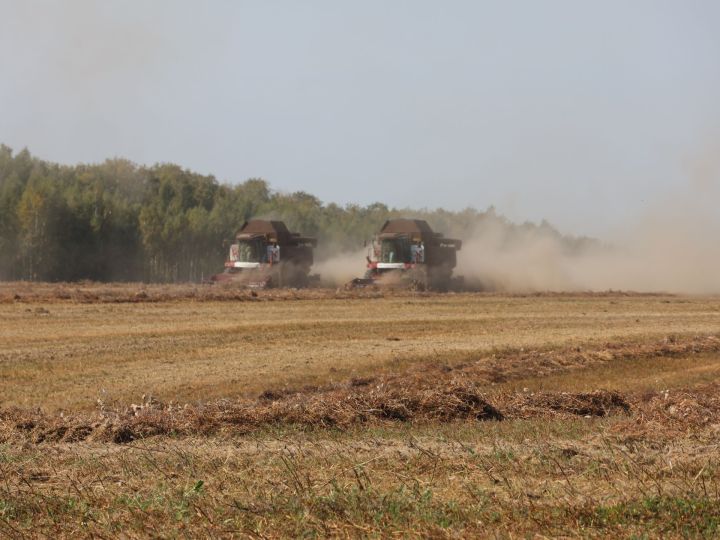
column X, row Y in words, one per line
column 197, row 411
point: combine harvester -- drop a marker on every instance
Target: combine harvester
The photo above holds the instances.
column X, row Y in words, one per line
column 407, row 253
column 266, row 254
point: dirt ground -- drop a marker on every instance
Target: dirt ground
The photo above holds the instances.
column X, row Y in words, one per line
column 176, row 411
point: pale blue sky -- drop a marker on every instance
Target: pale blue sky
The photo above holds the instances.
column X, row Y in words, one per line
column 574, row 111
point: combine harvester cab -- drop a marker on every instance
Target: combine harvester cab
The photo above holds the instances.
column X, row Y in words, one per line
column 267, row 254
column 407, row 253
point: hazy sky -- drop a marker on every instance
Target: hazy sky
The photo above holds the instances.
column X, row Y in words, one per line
column 574, row 111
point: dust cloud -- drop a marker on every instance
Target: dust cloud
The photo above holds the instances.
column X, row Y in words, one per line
column 338, row 270
column 670, row 246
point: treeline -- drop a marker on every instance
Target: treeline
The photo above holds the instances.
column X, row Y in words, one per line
column 120, row 221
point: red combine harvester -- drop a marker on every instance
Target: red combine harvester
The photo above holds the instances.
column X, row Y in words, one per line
column 267, row 254
column 407, row 253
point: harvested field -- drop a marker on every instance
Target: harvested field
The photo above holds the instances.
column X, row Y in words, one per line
column 203, row 411
column 59, row 354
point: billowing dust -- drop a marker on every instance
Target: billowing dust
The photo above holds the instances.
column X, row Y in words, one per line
column 671, row 245
column 338, row 270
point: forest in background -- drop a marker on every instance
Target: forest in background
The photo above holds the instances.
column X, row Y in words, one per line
column 119, row 221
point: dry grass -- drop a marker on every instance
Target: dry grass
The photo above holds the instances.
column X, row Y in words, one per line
column 66, row 355
column 559, row 478
column 335, row 413
column 423, row 392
